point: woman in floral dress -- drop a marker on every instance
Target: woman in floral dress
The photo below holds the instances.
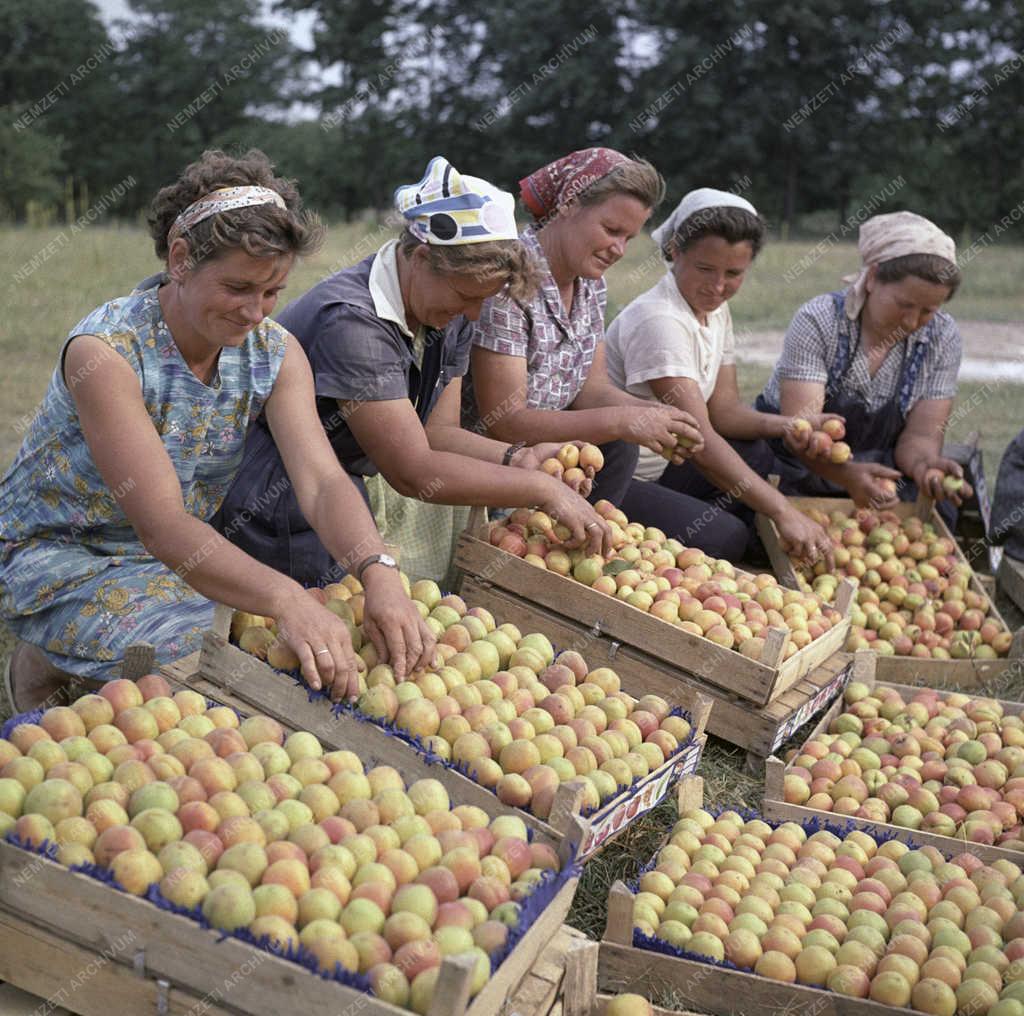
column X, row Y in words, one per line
column 104, row 539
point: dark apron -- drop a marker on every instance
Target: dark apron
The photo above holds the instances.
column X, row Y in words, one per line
column 871, row 433
column 261, row 514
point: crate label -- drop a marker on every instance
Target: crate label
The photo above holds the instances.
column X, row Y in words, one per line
column 604, row 825
column 811, row 706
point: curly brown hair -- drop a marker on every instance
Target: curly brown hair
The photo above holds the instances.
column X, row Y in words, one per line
column 262, row 231
column 504, row 261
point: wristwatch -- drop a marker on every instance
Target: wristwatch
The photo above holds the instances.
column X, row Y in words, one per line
column 385, row 559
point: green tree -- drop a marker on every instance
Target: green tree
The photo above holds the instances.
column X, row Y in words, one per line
column 192, row 76
column 55, row 62
column 30, row 169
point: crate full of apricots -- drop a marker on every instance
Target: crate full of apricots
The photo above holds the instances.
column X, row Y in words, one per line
column 918, row 604
column 733, row 629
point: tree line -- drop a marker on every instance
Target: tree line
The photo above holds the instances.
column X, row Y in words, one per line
column 819, row 108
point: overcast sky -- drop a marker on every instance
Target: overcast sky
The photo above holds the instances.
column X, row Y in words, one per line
column 299, row 24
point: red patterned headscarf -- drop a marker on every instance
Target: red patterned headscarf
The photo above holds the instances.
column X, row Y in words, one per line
column 555, row 184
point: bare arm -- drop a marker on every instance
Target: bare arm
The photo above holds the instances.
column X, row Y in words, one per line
column 720, row 463
column 918, row 451
column 731, row 417
column 499, row 382
column 339, row 516
column 133, row 463
column 445, row 432
column 598, row 392
column 391, row 434
column 500, row 385
column 862, row 480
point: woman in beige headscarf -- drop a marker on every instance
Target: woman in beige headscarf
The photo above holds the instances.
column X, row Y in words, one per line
column 882, row 355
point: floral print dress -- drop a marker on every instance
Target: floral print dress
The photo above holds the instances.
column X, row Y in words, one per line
column 75, row 579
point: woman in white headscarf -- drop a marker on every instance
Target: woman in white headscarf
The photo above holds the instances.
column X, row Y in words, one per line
column 885, row 357
column 674, row 344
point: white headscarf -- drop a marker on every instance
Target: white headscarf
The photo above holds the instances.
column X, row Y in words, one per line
column 895, row 235
column 696, row 201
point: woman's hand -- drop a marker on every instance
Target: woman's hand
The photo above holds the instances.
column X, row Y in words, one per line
column 931, row 477
column 871, row 485
column 578, row 516
column 531, row 457
column 802, row 537
column 323, row 645
column 667, row 431
column 797, row 433
column 393, row 623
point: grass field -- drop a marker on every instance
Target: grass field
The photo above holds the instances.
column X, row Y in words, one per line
column 51, row 280
column 41, row 304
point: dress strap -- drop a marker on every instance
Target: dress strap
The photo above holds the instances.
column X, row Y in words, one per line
column 842, row 361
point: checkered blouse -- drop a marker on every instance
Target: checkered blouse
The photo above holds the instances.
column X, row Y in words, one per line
column 558, row 349
column 811, row 350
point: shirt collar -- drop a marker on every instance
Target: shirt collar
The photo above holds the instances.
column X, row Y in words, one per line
column 385, row 290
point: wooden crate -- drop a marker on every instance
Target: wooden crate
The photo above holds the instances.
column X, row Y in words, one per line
column 757, row 730
column 260, row 688
column 757, row 681
column 1010, row 579
column 905, row 669
column 564, row 975
column 622, row 967
column 178, row 960
column 776, row 808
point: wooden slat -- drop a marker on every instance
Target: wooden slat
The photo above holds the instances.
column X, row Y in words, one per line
column 92, row 914
column 732, row 718
column 720, row 991
column 701, row 657
column 181, row 669
column 580, row 985
column 80, row 980
column 138, row 660
column 543, row 988
column 518, row 963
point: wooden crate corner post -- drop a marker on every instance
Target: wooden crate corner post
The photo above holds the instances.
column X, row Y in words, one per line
column 846, row 595
column 774, row 780
column 579, row 986
column 454, row 983
column 700, row 711
column 565, row 816
column 865, row 666
column 222, row 615
column 619, row 927
column 689, row 794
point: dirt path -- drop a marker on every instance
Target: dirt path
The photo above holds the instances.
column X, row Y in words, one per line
column 993, row 351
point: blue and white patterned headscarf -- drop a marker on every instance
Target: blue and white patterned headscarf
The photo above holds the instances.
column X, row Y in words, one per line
column 448, row 208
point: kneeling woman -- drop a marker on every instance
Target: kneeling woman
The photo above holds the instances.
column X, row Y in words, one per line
column 674, row 344
column 104, row 538
column 388, row 340
column 884, row 356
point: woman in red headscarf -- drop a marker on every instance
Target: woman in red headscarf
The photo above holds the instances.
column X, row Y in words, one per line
column 538, row 368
